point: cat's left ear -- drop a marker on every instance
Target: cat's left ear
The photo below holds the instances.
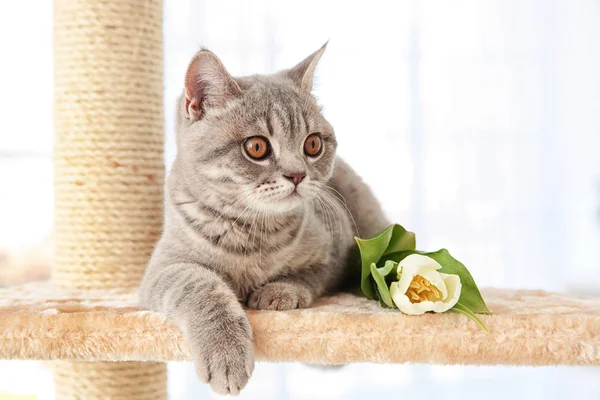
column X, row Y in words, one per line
column 303, row 73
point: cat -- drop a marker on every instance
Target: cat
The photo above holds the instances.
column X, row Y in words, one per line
column 259, row 211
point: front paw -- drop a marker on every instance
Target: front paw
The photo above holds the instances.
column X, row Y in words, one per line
column 223, row 355
column 280, row 296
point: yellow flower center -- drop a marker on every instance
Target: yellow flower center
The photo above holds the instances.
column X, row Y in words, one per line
column 421, row 289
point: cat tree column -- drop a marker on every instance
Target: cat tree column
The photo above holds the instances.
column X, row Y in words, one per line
column 109, row 172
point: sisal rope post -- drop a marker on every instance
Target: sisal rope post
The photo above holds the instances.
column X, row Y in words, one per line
column 109, row 172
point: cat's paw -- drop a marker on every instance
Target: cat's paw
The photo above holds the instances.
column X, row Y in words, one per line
column 224, row 357
column 280, row 296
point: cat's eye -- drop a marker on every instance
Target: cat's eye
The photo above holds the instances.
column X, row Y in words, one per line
column 313, row 145
column 257, row 147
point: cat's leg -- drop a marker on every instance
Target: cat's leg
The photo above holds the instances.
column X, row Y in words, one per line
column 210, row 316
column 292, row 291
column 359, row 199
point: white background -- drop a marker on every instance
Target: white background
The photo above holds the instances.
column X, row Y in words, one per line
column 476, row 123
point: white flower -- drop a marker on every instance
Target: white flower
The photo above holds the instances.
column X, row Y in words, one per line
column 420, row 288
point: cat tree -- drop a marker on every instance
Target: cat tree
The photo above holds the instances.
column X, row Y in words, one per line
column 108, row 187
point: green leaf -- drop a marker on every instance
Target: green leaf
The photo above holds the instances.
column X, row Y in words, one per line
column 382, row 287
column 459, row 308
column 470, row 296
column 393, row 239
column 401, row 240
column 390, row 267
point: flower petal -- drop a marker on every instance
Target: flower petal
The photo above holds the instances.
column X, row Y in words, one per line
column 436, row 280
column 419, row 308
column 420, row 262
column 414, row 264
column 405, row 277
column 454, row 287
column 404, row 304
column 400, row 298
column 398, row 295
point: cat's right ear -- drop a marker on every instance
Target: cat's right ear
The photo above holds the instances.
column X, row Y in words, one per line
column 207, row 84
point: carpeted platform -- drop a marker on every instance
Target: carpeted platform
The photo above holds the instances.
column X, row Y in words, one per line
column 527, row 328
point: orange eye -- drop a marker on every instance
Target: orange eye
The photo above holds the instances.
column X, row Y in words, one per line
column 313, row 145
column 257, row 147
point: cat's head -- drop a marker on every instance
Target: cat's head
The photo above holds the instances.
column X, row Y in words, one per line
column 261, row 140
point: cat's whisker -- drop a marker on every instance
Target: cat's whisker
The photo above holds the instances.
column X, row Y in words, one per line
column 334, row 214
column 235, row 221
column 183, row 203
column 341, row 165
column 335, row 193
column 343, row 203
column 337, row 197
column 318, row 203
column 253, row 230
column 326, row 216
column 245, row 246
column 316, row 193
column 262, row 220
column 251, row 190
column 254, row 234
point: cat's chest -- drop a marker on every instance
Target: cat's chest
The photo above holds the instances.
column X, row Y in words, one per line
column 304, row 247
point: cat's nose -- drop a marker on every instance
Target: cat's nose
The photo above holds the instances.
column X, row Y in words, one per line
column 295, row 177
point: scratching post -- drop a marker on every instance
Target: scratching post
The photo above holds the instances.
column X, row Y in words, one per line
column 110, row 380
column 109, row 172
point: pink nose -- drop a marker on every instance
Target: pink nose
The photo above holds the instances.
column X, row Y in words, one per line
column 296, row 177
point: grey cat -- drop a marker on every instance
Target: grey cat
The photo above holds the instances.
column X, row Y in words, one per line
column 259, row 212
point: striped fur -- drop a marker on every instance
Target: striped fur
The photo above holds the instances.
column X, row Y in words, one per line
column 235, row 232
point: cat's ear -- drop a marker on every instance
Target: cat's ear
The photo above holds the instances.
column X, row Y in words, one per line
column 207, row 84
column 303, row 73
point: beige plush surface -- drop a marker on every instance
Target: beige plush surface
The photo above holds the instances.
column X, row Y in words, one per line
column 528, row 328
